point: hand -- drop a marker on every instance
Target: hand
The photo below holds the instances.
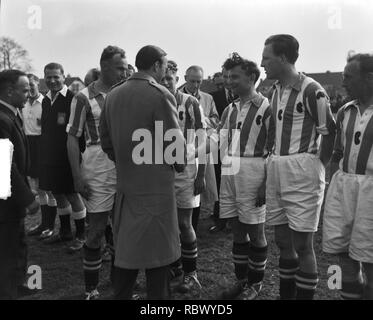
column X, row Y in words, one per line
column 33, row 208
column 199, row 185
column 82, row 188
column 261, row 198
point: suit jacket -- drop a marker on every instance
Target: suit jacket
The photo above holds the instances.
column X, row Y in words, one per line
column 14, row 208
column 220, row 99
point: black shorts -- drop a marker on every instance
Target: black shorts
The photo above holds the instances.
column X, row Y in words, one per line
column 34, row 146
column 57, row 179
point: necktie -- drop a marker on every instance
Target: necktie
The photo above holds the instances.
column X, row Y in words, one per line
column 230, row 96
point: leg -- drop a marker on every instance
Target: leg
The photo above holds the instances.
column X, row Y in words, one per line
column 368, row 268
column 189, row 251
column 78, row 214
column 257, row 254
column 123, row 282
column 64, row 212
column 43, row 200
column 288, row 263
column 8, row 263
column 240, row 253
column 157, row 283
column 352, row 281
column 306, row 277
column 92, row 252
column 195, row 217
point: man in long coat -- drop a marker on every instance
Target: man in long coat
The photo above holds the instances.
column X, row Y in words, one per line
column 146, row 234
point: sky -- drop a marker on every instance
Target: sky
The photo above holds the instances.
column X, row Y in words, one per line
column 203, row 32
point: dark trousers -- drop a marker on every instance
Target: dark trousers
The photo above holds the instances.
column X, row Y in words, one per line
column 157, row 283
column 13, row 258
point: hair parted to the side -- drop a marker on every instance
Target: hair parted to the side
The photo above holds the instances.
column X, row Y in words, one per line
column 54, row 66
column 365, row 62
column 147, row 56
column 284, row 44
column 110, row 51
column 9, row 78
column 248, row 66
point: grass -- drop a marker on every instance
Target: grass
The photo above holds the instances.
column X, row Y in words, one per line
column 62, row 273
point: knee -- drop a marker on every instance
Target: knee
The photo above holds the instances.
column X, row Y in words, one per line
column 303, row 248
column 184, row 226
column 282, row 242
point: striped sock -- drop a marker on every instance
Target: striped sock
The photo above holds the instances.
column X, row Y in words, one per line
column 306, row 285
column 257, row 264
column 91, row 266
column 288, row 268
column 352, row 290
column 189, row 255
column 64, row 215
column 240, row 252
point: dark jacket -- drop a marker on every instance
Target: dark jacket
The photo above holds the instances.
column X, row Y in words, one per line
column 220, row 100
column 54, row 119
column 14, row 208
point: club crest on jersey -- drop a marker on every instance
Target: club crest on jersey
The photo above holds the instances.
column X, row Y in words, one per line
column 279, row 115
column 181, row 115
column 300, row 107
column 357, row 137
column 320, row 94
column 258, row 120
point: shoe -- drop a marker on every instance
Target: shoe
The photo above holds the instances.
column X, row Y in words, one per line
column 92, row 295
column 252, row 292
column 216, row 228
column 35, row 231
column 77, row 245
column 46, row 234
column 56, row 238
column 189, row 283
column 234, row 291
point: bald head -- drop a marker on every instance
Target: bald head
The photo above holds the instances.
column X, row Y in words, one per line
column 193, row 78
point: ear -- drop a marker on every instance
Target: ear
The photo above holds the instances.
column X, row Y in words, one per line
column 177, row 79
column 185, row 78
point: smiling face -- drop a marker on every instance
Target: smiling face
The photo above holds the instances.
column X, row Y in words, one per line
column 170, row 80
column 271, row 63
column 240, row 83
column 54, row 79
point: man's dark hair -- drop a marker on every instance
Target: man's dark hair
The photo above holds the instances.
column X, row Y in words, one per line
column 365, row 62
column 217, row 75
column 111, row 51
column 248, row 66
column 284, row 44
column 147, row 56
column 33, row 77
column 9, row 78
column 53, row 66
column 172, row 66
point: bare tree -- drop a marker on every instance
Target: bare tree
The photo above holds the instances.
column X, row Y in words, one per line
column 13, row 55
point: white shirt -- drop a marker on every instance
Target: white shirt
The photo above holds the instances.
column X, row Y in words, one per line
column 32, row 117
column 63, row 91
